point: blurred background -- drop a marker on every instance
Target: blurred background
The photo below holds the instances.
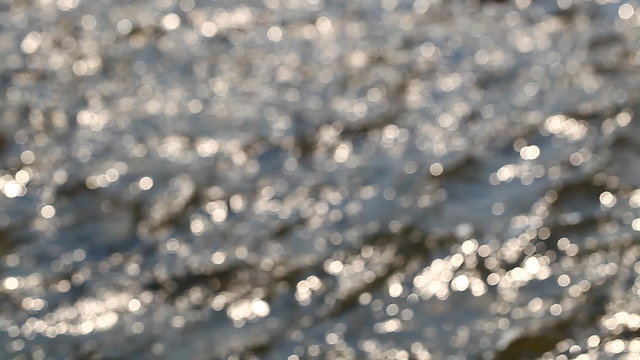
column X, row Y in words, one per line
column 319, row 179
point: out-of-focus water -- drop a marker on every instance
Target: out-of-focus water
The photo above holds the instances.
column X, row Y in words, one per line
column 300, row 179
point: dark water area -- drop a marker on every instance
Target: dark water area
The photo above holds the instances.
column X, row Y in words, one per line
column 318, row 179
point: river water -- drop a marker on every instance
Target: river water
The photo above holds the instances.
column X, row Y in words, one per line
column 319, row 179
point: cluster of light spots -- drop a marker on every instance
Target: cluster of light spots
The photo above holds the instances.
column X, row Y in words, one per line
column 305, row 289
column 12, row 188
column 620, row 321
column 524, row 172
column 579, row 157
column 530, row 152
column 96, row 121
column 460, row 283
column 333, row 267
column 84, row 317
column 237, row 18
column 388, row 326
column 533, row 268
column 436, row 279
column 175, row 148
column 246, row 309
column 110, row 176
column 615, row 346
column 85, row 67
column 566, row 127
column 207, row 147
column 450, row 82
column 33, row 304
column 291, row 153
column 564, row 244
column 391, row 134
